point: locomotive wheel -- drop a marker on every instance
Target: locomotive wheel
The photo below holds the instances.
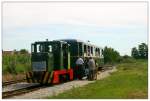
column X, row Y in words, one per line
column 64, row 78
column 67, row 77
column 61, row 78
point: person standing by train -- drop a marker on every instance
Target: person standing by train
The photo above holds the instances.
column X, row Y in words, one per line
column 92, row 68
column 79, row 68
column 86, row 68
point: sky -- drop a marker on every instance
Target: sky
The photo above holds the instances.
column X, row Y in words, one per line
column 120, row 25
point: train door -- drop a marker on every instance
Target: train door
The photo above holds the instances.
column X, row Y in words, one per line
column 57, row 56
column 66, row 56
column 81, row 49
column 50, row 60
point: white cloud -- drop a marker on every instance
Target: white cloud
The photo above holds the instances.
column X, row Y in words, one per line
column 96, row 13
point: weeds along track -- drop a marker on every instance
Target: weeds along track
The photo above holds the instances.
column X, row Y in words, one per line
column 105, row 68
column 12, row 82
column 20, row 91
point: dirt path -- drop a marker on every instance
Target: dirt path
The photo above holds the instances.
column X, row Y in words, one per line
column 57, row 89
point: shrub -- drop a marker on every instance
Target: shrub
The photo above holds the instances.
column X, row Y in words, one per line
column 16, row 63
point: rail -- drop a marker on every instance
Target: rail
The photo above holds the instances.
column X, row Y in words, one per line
column 105, row 67
column 12, row 82
column 8, row 94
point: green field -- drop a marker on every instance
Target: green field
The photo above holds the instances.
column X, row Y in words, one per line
column 130, row 81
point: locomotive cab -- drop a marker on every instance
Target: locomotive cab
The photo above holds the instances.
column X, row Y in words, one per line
column 40, row 56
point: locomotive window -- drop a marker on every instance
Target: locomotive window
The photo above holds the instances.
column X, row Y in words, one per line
column 32, row 48
column 50, row 48
column 41, row 49
column 38, row 48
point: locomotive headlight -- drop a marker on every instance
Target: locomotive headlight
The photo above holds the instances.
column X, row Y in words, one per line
column 39, row 66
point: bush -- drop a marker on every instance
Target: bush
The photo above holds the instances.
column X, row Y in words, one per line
column 16, row 63
column 111, row 56
column 127, row 59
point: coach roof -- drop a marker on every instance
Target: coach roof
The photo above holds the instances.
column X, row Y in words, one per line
column 77, row 40
column 71, row 40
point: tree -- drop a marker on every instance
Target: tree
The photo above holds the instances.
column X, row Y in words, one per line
column 23, row 51
column 143, row 51
column 126, row 56
column 135, row 53
column 111, row 55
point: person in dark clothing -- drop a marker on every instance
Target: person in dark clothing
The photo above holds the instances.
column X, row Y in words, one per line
column 79, row 71
column 86, row 68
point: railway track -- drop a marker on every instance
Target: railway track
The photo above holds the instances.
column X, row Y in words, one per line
column 12, row 82
column 11, row 93
column 105, row 67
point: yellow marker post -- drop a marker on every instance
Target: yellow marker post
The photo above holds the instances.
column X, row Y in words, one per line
column 45, row 77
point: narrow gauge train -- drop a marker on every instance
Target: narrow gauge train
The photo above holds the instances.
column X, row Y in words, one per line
column 54, row 61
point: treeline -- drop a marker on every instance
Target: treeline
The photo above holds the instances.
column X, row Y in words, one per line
column 16, row 62
column 141, row 52
column 111, row 56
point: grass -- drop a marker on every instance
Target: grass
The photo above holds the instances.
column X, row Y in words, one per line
column 129, row 82
column 14, row 66
column 16, row 63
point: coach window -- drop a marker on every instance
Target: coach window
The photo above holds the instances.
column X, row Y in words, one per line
column 88, row 50
column 101, row 52
column 98, row 52
column 80, row 49
column 85, row 50
column 92, row 50
column 95, row 51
